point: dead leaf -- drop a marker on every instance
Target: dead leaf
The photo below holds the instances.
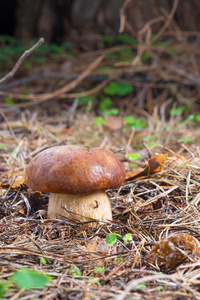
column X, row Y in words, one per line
column 173, row 251
column 161, row 159
column 154, row 165
column 20, row 178
column 113, row 122
column 96, row 244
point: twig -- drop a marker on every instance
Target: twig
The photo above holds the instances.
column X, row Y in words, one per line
column 172, row 12
column 68, row 87
column 135, row 282
column 21, row 59
column 123, row 16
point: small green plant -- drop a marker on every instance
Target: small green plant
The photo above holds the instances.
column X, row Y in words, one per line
column 118, row 259
column 140, row 286
column 184, row 140
column 133, row 122
column 176, row 111
column 105, row 104
column 43, row 260
column 74, row 271
column 99, row 270
column 146, row 57
column 94, row 281
column 118, row 88
column 29, row 279
column 98, row 121
column 133, row 156
column 4, row 286
column 104, row 107
column 112, row 238
column 126, row 39
column 197, row 117
column 149, row 137
column 9, row 101
column 127, row 238
column 113, row 111
column 108, row 38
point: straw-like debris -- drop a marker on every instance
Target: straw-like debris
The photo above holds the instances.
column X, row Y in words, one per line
column 151, row 206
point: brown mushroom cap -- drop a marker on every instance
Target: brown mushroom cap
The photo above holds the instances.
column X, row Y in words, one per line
column 74, row 170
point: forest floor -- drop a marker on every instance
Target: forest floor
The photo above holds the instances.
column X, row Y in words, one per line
column 144, row 106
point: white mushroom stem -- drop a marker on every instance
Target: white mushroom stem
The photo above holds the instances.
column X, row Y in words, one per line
column 96, row 206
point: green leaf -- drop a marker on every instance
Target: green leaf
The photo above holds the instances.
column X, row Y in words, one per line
column 30, row 279
column 108, row 38
column 130, row 120
column 126, row 39
column 98, row 121
column 149, row 137
column 133, row 156
column 176, row 111
column 9, row 101
column 43, row 260
column 127, row 238
column 184, row 140
column 197, row 118
column 3, row 288
column 146, row 57
column 118, row 88
column 2, row 146
column 139, row 286
column 118, row 259
column 112, row 238
column 137, row 123
column 74, row 271
column 99, row 270
column 105, row 104
column 113, row 111
column 150, row 144
column 85, row 99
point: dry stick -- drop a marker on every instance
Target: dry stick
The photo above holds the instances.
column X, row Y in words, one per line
column 69, row 86
column 21, row 59
column 170, row 17
column 123, row 16
column 143, row 47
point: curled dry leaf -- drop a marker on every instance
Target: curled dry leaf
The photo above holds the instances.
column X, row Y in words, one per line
column 173, row 251
column 96, row 244
column 160, row 158
column 155, row 164
column 113, row 122
column 19, row 179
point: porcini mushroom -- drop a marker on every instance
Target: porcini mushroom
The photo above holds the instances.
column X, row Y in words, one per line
column 76, row 178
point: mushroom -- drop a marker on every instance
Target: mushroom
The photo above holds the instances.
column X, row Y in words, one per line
column 76, row 178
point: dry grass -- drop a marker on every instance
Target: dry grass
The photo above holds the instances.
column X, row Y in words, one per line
column 150, row 208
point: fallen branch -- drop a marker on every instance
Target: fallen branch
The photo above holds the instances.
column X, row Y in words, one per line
column 21, row 59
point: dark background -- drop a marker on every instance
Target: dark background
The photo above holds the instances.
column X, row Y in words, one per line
column 60, row 20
